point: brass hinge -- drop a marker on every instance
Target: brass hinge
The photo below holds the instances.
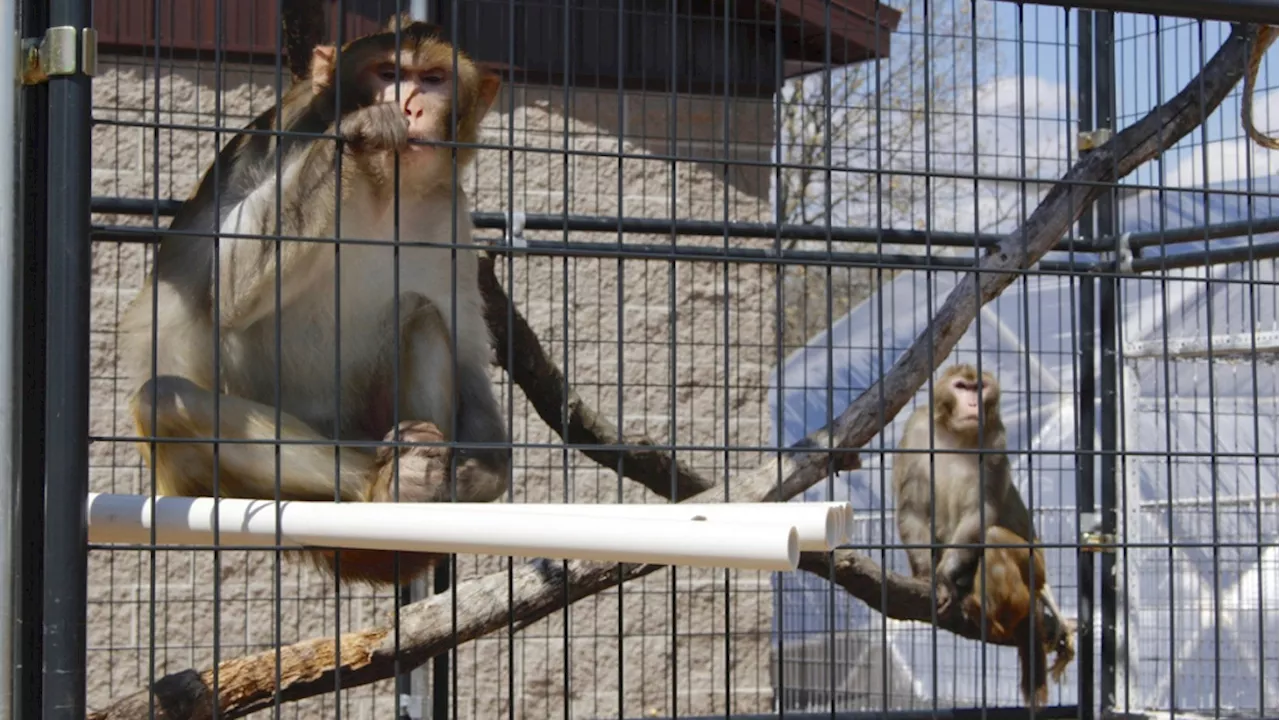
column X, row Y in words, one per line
column 55, row 54
column 1087, row 140
column 1092, row 539
column 1097, row 542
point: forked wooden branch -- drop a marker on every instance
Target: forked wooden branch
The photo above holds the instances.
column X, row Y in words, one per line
column 544, row 384
column 484, row 605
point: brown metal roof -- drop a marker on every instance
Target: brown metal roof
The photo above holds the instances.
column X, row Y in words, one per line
column 859, row 30
column 586, row 40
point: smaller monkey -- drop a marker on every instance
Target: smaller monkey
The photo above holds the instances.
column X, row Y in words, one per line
column 963, row 402
column 972, row 501
column 1013, row 579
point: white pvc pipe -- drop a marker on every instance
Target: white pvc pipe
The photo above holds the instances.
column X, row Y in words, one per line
column 444, row 528
column 10, row 347
column 821, row 526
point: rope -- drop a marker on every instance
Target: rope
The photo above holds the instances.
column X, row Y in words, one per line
column 1266, row 36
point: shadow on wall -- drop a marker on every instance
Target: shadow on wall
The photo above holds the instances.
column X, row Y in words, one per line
column 703, row 130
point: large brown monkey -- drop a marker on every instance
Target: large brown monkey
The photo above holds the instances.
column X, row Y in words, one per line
column 331, row 387
column 973, row 501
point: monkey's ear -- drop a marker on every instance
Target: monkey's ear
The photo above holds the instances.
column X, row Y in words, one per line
column 322, row 65
column 406, row 19
column 490, row 82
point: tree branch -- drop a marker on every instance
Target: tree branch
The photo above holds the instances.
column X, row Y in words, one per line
column 544, row 384
column 248, row 684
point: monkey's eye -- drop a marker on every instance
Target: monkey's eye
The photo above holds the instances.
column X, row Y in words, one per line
column 433, row 77
column 387, row 72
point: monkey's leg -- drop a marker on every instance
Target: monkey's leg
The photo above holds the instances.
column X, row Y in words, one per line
column 185, row 411
column 428, row 393
column 409, row 474
column 482, row 471
column 913, row 529
column 967, row 542
column 421, row 470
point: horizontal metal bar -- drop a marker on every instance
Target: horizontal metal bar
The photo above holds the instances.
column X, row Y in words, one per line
column 582, row 223
column 1236, row 345
column 1250, row 11
column 1241, row 228
column 658, row 226
column 636, row 251
column 1056, row 712
column 1221, row 256
column 707, row 228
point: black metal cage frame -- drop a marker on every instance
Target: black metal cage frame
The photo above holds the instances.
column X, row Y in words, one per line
column 49, row 539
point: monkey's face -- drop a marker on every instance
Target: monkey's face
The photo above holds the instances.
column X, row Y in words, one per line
column 963, row 397
column 966, row 404
column 424, row 93
column 436, row 90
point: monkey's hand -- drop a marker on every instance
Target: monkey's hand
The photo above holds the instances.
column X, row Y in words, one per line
column 377, row 127
column 424, row 470
column 948, row 596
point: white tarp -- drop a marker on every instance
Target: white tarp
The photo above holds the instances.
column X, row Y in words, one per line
column 1028, row 339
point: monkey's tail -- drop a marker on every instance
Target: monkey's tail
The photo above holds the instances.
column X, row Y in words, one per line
column 1031, row 662
column 376, row 568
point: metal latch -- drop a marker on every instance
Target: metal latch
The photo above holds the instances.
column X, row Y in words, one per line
column 514, row 235
column 55, row 54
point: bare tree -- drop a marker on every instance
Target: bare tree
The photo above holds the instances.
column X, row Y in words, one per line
column 875, row 124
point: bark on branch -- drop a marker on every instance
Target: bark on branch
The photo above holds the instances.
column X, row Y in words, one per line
column 248, row 684
column 544, row 385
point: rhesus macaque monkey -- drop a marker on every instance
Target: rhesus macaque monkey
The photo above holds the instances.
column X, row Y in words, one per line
column 331, row 387
column 973, row 501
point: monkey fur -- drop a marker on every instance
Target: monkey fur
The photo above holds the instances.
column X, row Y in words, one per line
column 204, row 300
column 1013, row 577
column 973, row 501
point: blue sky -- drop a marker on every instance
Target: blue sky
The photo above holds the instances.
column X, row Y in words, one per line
column 1151, row 67
column 1023, row 122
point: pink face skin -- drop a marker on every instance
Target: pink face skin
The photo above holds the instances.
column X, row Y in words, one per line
column 424, row 93
column 968, row 401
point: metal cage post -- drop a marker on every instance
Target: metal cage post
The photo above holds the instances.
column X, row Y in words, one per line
column 29, row 504
column 1105, row 116
column 67, row 359
column 1085, row 397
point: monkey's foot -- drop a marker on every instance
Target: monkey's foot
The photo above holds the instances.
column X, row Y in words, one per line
column 947, row 595
column 423, row 477
column 423, row 470
column 478, row 482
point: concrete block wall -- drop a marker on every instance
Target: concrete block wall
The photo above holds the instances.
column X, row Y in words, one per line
column 677, row 350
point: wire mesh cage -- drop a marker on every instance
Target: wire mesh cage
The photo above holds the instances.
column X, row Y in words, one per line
column 713, row 252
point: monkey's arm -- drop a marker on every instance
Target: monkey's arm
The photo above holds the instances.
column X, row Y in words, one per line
column 430, row 391
column 913, row 513
column 960, row 561
column 307, row 190
column 183, row 409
